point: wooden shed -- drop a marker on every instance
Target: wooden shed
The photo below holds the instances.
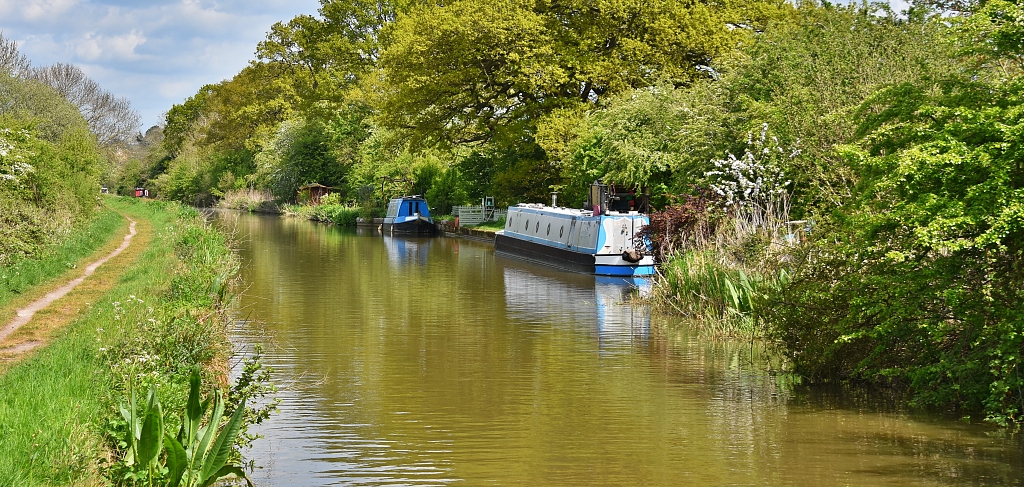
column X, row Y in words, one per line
column 311, row 193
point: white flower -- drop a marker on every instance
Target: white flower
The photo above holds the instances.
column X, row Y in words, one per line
column 746, row 179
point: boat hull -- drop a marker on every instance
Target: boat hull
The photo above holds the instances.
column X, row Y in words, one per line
column 408, row 215
column 602, row 265
column 544, row 254
column 411, row 227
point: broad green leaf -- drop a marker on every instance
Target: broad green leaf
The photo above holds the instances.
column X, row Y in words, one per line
column 224, row 472
column 193, row 411
column 177, row 461
column 222, row 447
column 201, row 450
column 151, row 440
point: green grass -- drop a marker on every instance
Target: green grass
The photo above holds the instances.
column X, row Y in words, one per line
column 159, row 323
column 49, row 410
column 493, row 226
column 24, row 274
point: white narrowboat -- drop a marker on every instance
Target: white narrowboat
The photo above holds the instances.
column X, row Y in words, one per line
column 598, row 240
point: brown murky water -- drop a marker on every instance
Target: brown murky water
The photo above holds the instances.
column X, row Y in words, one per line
column 406, row 361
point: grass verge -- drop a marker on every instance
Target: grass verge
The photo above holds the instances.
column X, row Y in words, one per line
column 162, row 319
column 492, row 226
column 24, row 274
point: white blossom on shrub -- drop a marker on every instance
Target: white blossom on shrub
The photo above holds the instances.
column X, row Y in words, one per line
column 14, row 159
column 756, row 176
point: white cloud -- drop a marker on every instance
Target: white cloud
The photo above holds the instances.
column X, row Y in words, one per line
column 92, row 46
column 35, row 9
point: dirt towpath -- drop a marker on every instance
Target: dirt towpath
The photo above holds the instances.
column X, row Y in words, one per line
column 16, row 347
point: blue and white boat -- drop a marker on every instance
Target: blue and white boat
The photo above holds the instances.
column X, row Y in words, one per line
column 599, row 240
column 408, row 215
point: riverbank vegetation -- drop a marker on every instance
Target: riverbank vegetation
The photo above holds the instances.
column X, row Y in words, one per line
column 331, row 210
column 152, row 317
column 860, row 167
column 249, row 199
column 163, row 321
column 916, row 280
column 49, row 169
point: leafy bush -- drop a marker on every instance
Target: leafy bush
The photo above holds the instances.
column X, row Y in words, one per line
column 917, row 283
column 371, row 212
column 687, row 224
column 337, row 214
column 446, row 192
column 49, row 172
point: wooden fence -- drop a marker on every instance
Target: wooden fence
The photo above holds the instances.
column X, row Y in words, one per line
column 475, row 215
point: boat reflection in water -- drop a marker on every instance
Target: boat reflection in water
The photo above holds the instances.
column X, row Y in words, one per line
column 539, row 294
column 406, row 251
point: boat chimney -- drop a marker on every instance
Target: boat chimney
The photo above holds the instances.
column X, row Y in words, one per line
column 554, row 199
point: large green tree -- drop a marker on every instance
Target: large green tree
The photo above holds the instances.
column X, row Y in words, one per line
column 329, row 55
column 472, row 70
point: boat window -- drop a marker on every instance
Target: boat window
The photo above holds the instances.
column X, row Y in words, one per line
column 560, row 230
column 536, row 228
column 393, row 206
column 549, row 229
column 527, row 227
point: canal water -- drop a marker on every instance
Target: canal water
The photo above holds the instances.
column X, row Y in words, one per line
column 412, row 361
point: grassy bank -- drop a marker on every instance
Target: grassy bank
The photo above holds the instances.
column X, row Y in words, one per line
column 491, row 226
column 162, row 320
column 335, row 213
column 23, row 274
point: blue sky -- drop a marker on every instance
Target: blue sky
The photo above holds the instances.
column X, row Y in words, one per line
column 155, row 53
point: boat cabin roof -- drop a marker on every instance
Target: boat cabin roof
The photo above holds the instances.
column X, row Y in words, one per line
column 408, row 206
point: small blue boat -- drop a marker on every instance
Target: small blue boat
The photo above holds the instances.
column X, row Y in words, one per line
column 408, row 215
column 599, row 240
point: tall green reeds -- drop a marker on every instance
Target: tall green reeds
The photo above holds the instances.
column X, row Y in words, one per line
column 719, row 266
column 249, row 199
column 717, row 294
